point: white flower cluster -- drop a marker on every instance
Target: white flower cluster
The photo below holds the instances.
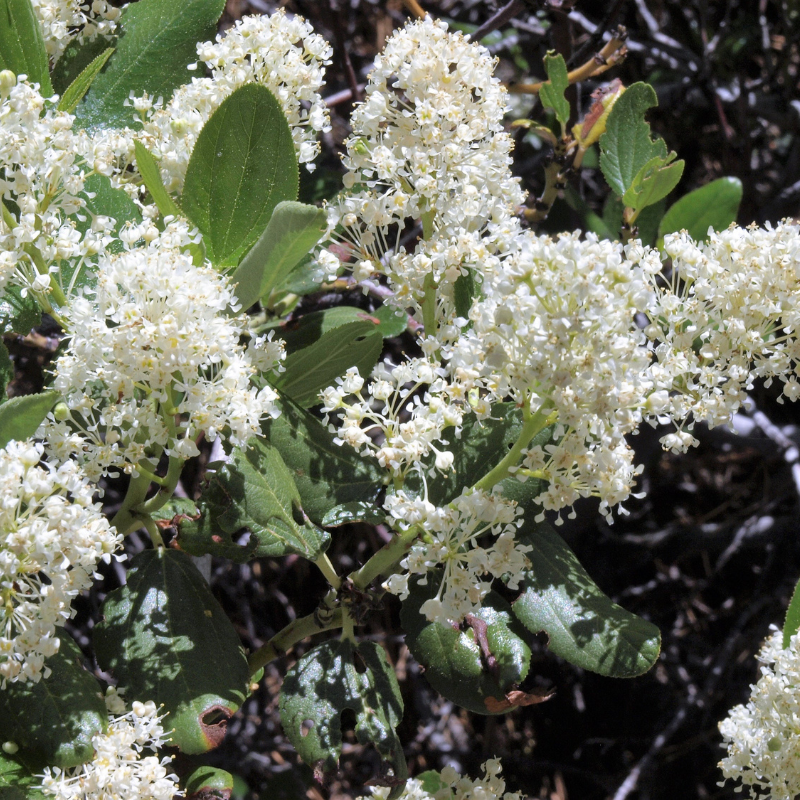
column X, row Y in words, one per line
column 453, row 786
column 399, row 435
column 280, row 52
column 763, row 736
column 427, row 144
column 67, row 21
column 51, row 539
column 556, row 331
column 40, row 176
column 730, row 314
column 119, row 769
column 451, row 540
column 154, row 360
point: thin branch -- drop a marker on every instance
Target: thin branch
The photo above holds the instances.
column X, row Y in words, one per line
column 613, row 52
column 500, row 18
column 415, row 8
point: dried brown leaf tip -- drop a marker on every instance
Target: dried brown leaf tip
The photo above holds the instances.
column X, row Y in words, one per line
column 516, row 698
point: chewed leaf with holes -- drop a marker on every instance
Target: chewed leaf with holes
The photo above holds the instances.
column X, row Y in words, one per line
column 331, row 678
column 255, row 490
column 165, row 638
column 478, row 666
column 585, row 627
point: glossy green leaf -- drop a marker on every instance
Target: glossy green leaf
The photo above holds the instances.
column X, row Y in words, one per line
column 22, row 47
column 76, row 91
column 583, row 625
column 255, row 491
column 166, row 638
column 158, row 42
column 21, row 416
column 53, row 721
column 6, row 372
column 481, row 445
column 626, row 146
column 552, row 92
column 714, row 205
column 242, row 166
column 17, row 782
column 293, row 229
column 207, row 783
column 18, row 314
column 323, row 346
column 327, row 475
column 431, row 782
column 654, row 181
column 348, row 513
column 455, row 664
column 335, row 676
column 151, row 175
column 792, row 622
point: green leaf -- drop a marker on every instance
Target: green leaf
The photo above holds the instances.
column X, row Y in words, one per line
column 22, row 47
column 102, row 199
column 53, row 721
column 455, row 665
column 392, row 321
column 74, row 60
column 166, row 638
column 18, row 314
column 792, row 623
column 327, row 475
column 335, row 676
column 626, row 146
column 242, row 166
column 714, row 205
column 464, row 292
column 151, row 175
column 254, row 490
column 159, row 39
column 322, row 346
column 293, row 229
column 6, row 372
column 76, row 91
column 481, row 445
column 21, row 416
column 348, row 513
column 206, row 783
column 431, row 782
column 17, row 782
column 552, row 92
column 647, row 222
column 653, row 182
column 584, row 626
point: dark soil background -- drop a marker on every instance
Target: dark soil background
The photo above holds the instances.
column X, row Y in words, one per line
column 710, row 554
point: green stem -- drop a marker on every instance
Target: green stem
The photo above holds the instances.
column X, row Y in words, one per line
column 429, row 305
column 347, row 626
column 326, row 568
column 294, row 632
column 168, row 485
column 155, row 533
column 384, row 561
column 532, row 424
column 124, row 520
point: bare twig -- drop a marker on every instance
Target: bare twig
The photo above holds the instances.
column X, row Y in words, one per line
column 698, row 699
column 506, row 13
column 341, row 44
column 415, row 8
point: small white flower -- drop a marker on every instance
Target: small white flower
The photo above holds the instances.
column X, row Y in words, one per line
column 52, row 537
